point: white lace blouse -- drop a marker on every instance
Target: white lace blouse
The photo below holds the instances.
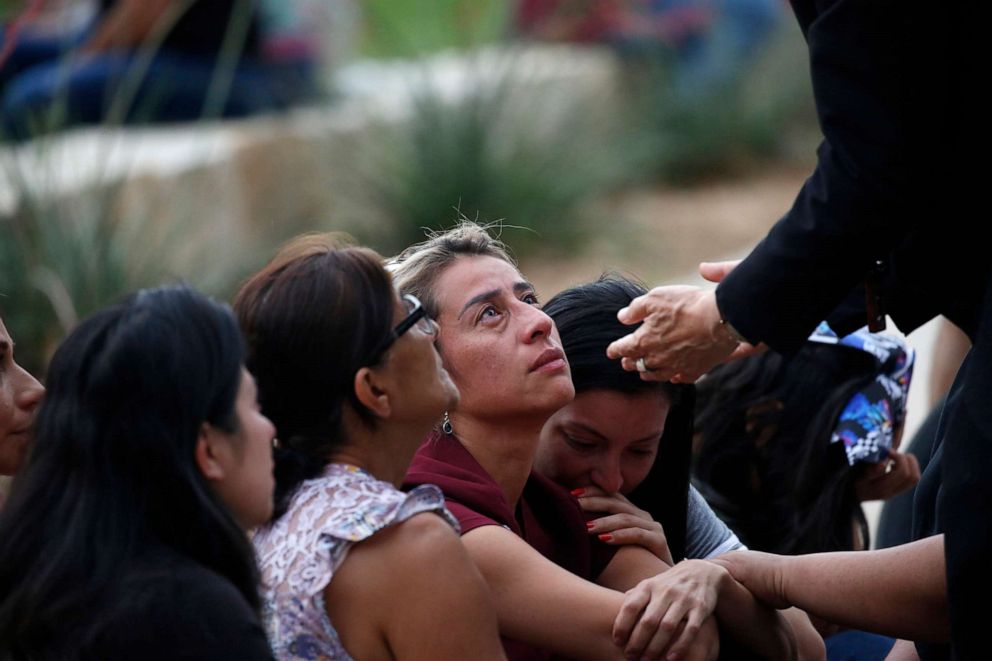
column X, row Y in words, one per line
column 299, row 553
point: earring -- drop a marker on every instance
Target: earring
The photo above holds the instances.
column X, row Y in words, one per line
column 446, row 424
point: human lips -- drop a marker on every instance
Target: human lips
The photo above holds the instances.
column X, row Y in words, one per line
column 19, row 437
column 551, row 359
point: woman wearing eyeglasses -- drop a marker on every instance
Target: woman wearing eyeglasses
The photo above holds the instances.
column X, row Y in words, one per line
column 347, row 370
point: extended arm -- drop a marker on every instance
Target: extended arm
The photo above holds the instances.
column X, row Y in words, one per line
column 856, row 589
column 691, row 591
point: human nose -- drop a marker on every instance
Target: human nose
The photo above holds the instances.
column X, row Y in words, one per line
column 607, row 477
column 30, row 392
column 537, row 324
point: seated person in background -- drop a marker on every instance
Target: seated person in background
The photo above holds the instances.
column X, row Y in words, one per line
column 124, row 534
column 786, row 450
column 556, row 594
column 712, row 41
column 161, row 61
column 20, row 394
column 351, row 566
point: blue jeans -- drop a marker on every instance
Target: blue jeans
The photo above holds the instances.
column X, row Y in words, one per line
column 43, row 91
column 853, row 645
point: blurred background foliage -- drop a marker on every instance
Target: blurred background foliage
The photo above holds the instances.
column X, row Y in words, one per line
column 489, row 155
column 412, row 28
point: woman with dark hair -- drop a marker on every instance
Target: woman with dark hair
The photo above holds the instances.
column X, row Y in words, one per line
column 788, row 448
column 351, row 566
column 124, row 535
column 623, row 448
column 20, row 394
column 555, row 593
column 625, row 442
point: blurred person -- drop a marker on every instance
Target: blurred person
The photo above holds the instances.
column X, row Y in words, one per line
column 124, row 535
column 876, row 211
column 20, row 395
column 786, row 450
column 556, row 594
column 162, row 61
column 711, row 41
column 351, row 566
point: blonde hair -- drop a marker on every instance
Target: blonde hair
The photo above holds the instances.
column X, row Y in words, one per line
column 416, row 269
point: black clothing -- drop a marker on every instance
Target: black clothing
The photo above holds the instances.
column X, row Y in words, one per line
column 201, row 28
column 893, row 187
column 173, row 608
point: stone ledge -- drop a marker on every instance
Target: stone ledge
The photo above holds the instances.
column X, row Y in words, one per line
column 239, row 175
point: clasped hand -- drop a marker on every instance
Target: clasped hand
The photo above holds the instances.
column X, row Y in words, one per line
column 671, row 614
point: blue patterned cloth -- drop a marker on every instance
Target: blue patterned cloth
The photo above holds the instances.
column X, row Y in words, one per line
column 869, row 419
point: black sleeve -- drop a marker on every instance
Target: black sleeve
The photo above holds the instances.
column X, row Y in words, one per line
column 864, row 198
column 192, row 616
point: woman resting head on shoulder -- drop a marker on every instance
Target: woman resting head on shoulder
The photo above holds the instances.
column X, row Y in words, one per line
column 623, row 444
column 351, row 566
column 554, row 592
column 20, row 394
column 623, row 447
column 125, row 533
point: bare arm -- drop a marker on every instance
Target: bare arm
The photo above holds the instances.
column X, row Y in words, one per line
column 654, row 611
column 858, row 588
column 540, row 603
column 392, row 590
column 774, row 634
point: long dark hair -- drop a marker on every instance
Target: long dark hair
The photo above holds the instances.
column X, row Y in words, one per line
column 763, row 455
column 312, row 317
column 112, row 474
column 586, row 317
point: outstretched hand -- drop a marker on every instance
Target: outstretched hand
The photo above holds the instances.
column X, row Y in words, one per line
column 681, row 337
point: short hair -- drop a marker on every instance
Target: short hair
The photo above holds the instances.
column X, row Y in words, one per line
column 312, row 317
column 416, row 269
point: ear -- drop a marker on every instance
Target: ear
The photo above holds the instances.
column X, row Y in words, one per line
column 207, row 453
column 370, row 391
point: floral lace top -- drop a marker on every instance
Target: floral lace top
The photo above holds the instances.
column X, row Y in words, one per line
column 299, row 553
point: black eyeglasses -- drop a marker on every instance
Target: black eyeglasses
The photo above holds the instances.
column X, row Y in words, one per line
column 416, row 316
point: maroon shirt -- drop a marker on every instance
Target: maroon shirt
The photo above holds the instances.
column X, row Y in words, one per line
column 547, row 517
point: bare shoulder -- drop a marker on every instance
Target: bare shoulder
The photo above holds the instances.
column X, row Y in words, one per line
column 422, row 561
column 407, row 556
column 417, row 561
